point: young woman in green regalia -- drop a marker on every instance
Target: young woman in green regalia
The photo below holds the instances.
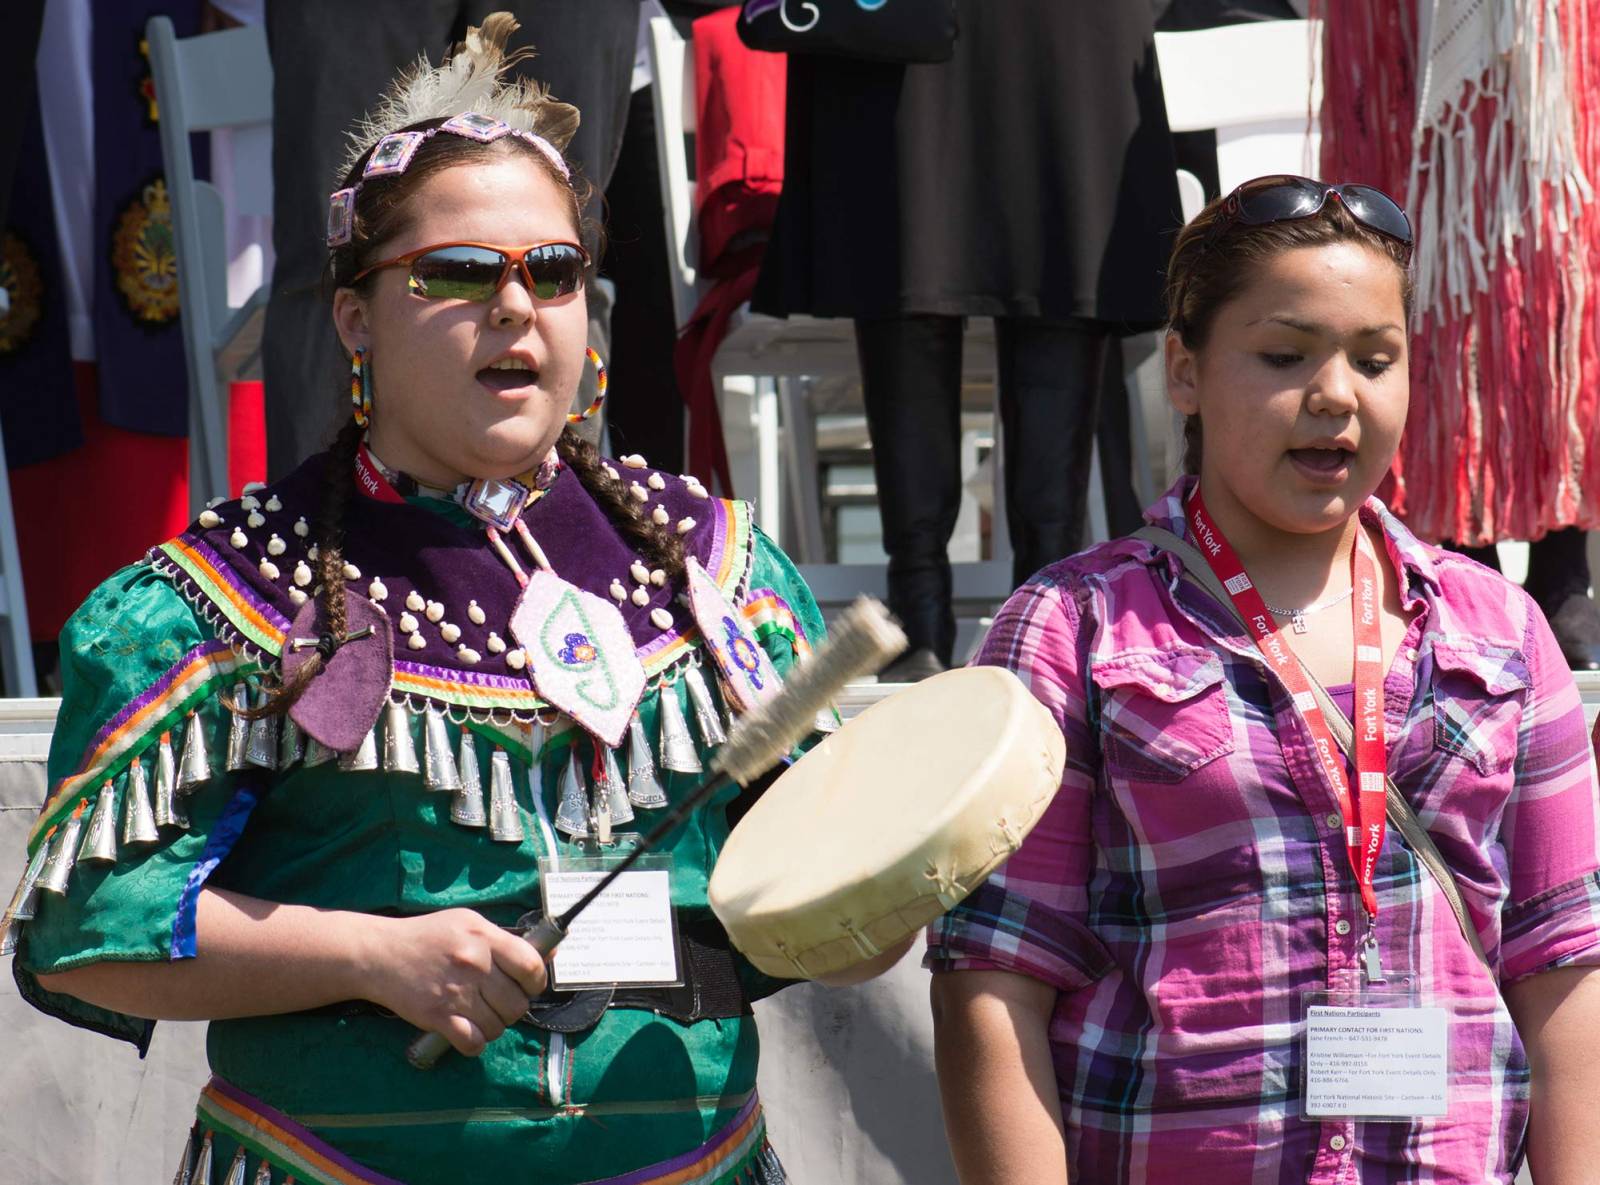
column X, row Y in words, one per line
column 318, row 752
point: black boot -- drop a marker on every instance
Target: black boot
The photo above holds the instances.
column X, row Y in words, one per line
column 911, row 384
column 1050, row 385
column 1558, row 581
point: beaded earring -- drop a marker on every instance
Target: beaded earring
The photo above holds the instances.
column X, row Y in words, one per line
column 574, row 417
column 361, row 386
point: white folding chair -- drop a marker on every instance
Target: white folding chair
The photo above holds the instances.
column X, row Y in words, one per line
column 778, row 351
column 16, row 643
column 215, row 80
column 1256, row 85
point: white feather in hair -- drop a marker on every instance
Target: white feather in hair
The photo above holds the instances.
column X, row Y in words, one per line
column 473, row 78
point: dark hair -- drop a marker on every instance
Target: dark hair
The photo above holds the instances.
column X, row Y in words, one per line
column 1208, row 270
column 381, row 212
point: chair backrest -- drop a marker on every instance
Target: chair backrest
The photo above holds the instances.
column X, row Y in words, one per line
column 211, row 82
column 1256, row 85
column 672, row 64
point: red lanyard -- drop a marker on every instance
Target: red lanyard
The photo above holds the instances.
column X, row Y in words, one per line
column 370, row 480
column 1364, row 817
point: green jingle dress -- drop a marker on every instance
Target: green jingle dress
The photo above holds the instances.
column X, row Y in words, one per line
column 157, row 790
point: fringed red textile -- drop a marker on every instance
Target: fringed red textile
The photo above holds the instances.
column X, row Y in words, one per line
column 1503, row 436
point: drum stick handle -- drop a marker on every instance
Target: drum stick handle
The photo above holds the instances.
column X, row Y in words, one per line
column 864, row 638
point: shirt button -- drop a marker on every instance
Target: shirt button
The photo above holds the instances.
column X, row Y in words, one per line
column 1334, row 822
column 1337, row 1143
column 1341, row 927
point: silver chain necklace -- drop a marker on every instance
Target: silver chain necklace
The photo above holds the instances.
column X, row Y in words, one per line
column 1297, row 617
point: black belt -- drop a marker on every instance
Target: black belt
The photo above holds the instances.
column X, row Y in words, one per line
column 711, row 987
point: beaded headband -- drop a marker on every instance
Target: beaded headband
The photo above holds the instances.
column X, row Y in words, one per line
column 393, row 154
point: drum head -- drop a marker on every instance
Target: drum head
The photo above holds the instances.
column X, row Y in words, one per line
column 889, row 822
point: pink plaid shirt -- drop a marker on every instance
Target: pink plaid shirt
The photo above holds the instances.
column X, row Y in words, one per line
column 1183, row 895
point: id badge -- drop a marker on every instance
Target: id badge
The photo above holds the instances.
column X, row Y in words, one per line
column 627, row 936
column 1375, row 1055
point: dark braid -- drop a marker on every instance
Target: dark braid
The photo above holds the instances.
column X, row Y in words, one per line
column 337, row 481
column 658, row 544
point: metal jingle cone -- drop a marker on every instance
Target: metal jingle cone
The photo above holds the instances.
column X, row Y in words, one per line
column 706, row 718
column 363, row 758
column 138, row 816
column 291, row 743
column 25, row 901
column 644, row 787
column 202, row 1168
column 467, row 807
column 63, row 854
column 616, row 790
column 196, row 764
column 261, row 750
column 317, row 753
column 439, row 772
column 100, row 837
column 166, row 768
column 505, row 817
column 239, row 732
column 399, row 746
column 677, row 746
column 263, row 1174
column 183, row 1175
column 12, row 937
column 237, row 1169
column 168, row 813
column 572, row 811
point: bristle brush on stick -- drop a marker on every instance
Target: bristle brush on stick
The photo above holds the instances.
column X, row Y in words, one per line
column 863, row 640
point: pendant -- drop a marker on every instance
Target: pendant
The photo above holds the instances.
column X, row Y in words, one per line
column 580, row 654
column 1297, row 620
column 748, row 676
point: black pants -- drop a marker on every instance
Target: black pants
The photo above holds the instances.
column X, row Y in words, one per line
column 645, row 410
column 1051, row 379
column 320, row 85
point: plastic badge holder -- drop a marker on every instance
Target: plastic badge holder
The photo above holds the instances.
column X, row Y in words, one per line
column 626, row 937
column 1377, row 1055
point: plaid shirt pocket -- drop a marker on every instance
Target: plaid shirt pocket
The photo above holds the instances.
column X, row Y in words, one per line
column 1163, row 712
column 1479, row 690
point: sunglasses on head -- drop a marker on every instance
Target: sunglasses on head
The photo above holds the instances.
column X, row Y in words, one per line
column 1287, row 198
column 476, row 271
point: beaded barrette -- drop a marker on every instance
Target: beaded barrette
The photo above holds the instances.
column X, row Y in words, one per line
column 393, row 154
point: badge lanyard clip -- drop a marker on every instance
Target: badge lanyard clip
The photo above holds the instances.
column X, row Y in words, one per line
column 1371, row 959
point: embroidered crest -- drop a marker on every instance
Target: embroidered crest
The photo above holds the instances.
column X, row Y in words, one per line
column 748, row 676
column 580, row 654
column 19, row 276
column 147, row 86
column 144, row 256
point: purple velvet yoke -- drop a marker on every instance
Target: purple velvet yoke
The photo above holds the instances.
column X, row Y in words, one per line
column 412, row 549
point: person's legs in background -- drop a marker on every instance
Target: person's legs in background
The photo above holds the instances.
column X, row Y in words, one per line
column 1050, row 385
column 911, row 382
column 1114, row 435
column 645, row 409
column 1558, row 580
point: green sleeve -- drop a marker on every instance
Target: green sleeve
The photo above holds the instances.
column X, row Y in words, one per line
column 780, row 607
column 135, row 661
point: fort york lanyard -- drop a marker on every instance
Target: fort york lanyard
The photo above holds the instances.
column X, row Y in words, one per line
column 1364, row 810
